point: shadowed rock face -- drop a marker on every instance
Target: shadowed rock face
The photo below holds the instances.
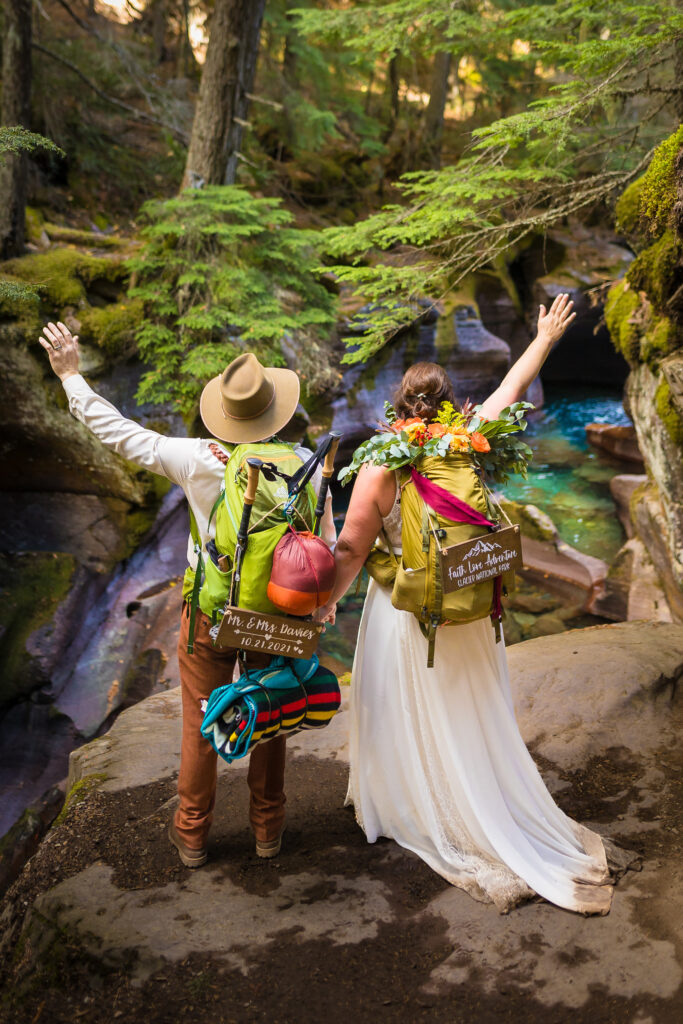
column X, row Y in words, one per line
column 77, row 493
column 599, row 709
column 106, row 645
column 574, row 260
column 657, row 513
column 71, row 512
column 475, row 360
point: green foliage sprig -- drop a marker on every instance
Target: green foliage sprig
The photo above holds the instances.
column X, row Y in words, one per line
column 394, row 448
column 15, row 139
column 222, row 272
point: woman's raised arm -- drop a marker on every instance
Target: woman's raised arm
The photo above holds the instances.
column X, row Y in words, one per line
column 551, row 327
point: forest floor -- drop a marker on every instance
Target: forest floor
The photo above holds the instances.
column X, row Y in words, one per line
column 333, row 929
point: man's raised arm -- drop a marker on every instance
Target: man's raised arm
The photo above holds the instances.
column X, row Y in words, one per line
column 171, row 457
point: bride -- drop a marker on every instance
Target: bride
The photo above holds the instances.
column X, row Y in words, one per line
column 437, row 760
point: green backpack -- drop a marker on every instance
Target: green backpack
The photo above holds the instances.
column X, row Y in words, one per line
column 416, row 577
column 209, row 587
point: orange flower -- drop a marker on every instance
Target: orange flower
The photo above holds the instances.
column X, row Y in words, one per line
column 437, row 429
column 479, row 442
column 414, row 423
column 460, row 441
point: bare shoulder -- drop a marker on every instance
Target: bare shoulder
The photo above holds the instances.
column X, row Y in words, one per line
column 378, row 485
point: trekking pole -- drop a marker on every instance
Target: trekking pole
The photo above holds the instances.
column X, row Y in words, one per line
column 328, row 470
column 253, row 470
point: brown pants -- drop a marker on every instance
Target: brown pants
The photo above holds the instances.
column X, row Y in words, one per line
column 200, row 673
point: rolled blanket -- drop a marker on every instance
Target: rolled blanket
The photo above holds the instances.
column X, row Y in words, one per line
column 287, row 696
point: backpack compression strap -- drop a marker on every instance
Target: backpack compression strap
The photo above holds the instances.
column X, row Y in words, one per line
column 199, row 570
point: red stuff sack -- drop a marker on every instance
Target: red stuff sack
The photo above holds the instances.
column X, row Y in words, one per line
column 303, row 573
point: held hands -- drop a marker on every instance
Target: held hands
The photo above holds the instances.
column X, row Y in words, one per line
column 553, row 324
column 326, row 613
column 62, row 348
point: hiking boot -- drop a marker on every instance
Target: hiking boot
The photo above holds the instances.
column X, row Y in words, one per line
column 190, row 858
column 268, row 847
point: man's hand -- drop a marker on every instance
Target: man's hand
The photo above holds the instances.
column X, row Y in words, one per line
column 553, row 324
column 62, row 348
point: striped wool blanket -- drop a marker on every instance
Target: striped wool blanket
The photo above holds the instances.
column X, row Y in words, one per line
column 288, row 695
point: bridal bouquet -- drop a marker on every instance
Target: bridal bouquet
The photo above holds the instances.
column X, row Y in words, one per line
column 490, row 443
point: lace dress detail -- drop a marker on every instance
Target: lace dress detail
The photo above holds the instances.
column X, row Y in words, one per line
column 437, row 763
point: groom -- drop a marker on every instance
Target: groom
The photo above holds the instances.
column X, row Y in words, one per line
column 246, row 403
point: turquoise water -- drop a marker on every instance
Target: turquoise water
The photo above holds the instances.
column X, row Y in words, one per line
column 570, row 480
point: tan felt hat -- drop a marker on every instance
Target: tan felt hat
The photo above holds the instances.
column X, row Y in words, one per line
column 248, row 401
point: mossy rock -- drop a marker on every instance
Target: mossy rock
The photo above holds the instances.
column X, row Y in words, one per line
column 66, row 275
column 628, row 215
column 644, row 208
column 78, row 793
column 668, row 413
column 661, row 337
column 621, row 308
column 34, row 584
column 20, row 304
column 76, row 236
column 533, row 523
column 112, row 328
column 656, row 269
column 446, row 334
column 34, row 221
column 658, row 189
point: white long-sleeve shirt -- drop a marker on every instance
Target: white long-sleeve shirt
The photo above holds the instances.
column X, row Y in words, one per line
column 190, row 462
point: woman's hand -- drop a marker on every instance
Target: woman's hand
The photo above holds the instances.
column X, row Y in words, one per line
column 62, row 348
column 326, row 613
column 553, row 324
column 551, row 327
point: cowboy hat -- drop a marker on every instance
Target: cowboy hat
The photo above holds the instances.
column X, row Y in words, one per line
column 248, row 401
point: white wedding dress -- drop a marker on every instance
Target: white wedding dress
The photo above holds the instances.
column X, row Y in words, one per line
column 438, row 764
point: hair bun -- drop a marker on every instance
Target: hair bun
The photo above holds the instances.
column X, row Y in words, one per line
column 423, row 389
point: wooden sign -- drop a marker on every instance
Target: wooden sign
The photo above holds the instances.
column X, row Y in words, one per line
column 475, row 560
column 273, row 634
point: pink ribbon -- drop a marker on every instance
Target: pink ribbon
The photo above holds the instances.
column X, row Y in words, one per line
column 447, row 505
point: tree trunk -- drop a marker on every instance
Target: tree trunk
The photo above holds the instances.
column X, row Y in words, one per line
column 16, row 110
column 678, row 74
column 159, row 30
column 432, row 133
column 290, row 70
column 227, row 77
column 185, row 62
column 393, row 81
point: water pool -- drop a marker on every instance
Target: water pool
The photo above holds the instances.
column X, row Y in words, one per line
column 568, row 479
